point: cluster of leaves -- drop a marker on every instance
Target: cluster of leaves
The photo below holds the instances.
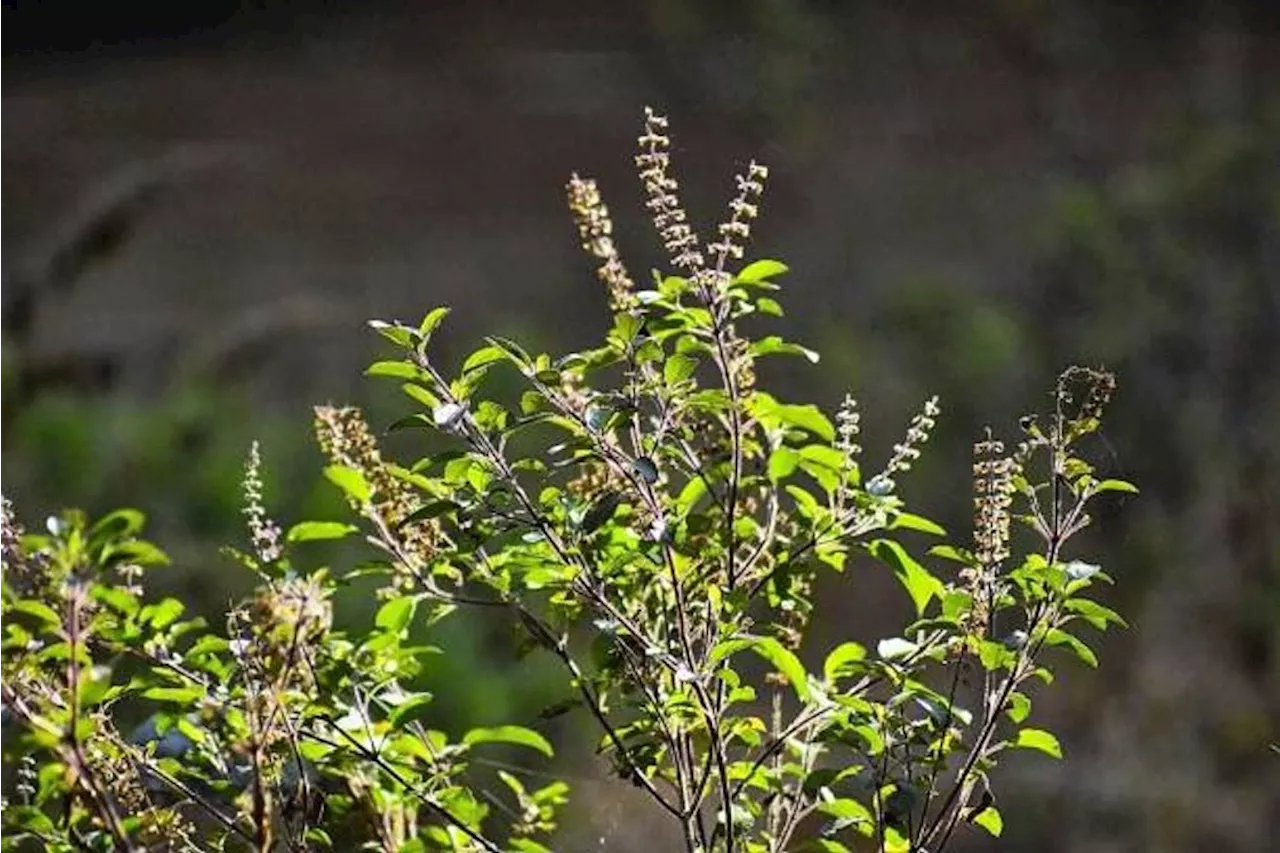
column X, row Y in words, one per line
column 132, row 728
column 645, row 515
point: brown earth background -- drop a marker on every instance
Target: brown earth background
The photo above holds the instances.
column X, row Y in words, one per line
column 970, row 197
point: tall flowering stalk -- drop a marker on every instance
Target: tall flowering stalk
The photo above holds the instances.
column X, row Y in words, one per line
column 595, row 230
column 669, row 215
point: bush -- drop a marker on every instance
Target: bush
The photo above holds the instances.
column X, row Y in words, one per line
column 646, row 516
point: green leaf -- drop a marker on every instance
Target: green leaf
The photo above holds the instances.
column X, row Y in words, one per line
column 398, row 369
column 827, row 457
column 514, row 351
column 758, row 271
column 1115, row 486
column 840, row 658
column 176, row 695
column 121, row 523
column 117, row 599
column 412, row 708
column 678, row 368
column 208, row 644
column 1019, row 707
column 693, row 491
column 775, row 345
column 807, row 417
column 483, row 357
column 420, row 395
column 952, row 553
column 1058, row 637
column 782, row 463
column 1097, row 615
column 765, row 305
column 94, row 684
column 308, row 531
column 394, row 332
column 318, row 836
column 429, row 510
column 995, row 655
column 162, row 614
column 911, row 521
column 847, row 811
column 775, row 653
column 139, row 552
column 1039, row 739
column 20, row 819
column 518, row 735
column 920, row 585
column 491, row 416
column 990, row 820
column 396, row 614
column 626, row 327
column 433, row 319
column 351, row 481
column 38, row 609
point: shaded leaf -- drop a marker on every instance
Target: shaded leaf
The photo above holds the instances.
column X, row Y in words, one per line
column 920, row 585
column 601, row 511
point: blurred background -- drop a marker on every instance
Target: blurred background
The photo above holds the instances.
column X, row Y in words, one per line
column 204, row 201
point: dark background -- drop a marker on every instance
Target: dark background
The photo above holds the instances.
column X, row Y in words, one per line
column 204, row 201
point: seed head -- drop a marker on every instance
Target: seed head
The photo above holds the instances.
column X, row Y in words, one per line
column 743, row 208
column 595, row 229
column 669, row 218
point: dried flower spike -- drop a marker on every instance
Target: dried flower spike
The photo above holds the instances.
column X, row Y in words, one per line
column 992, row 494
column 1095, row 386
column 744, row 207
column 669, row 217
column 595, row 229
column 346, row 440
